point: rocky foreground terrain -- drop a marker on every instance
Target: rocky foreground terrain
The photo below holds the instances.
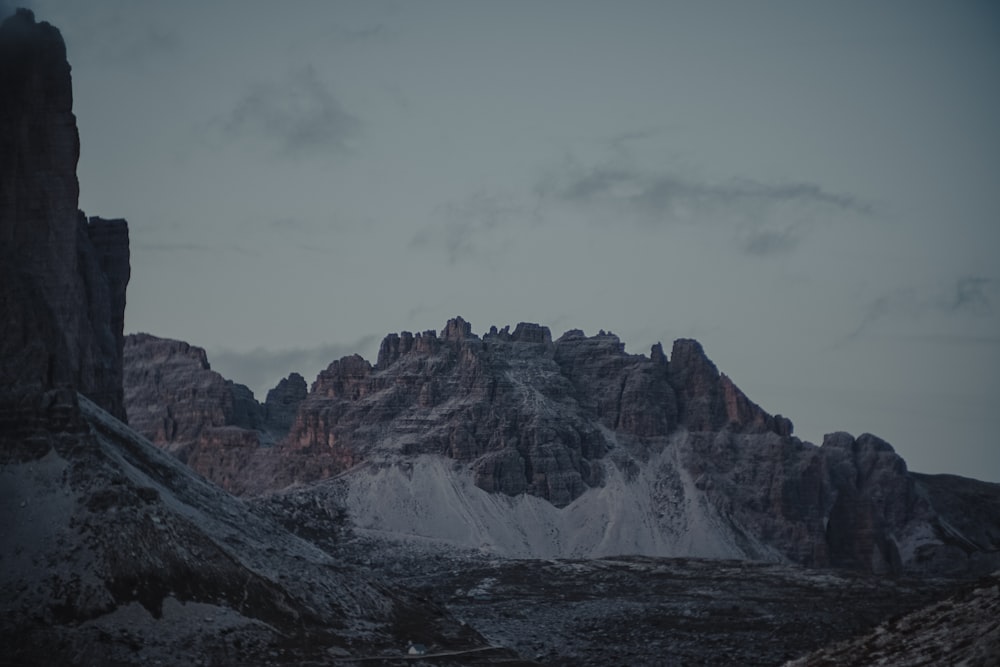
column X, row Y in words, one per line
column 507, row 498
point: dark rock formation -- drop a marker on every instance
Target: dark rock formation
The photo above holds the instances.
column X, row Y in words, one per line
column 874, row 494
column 173, row 396
column 964, row 521
column 62, row 278
column 215, row 425
column 628, row 393
column 709, row 401
column 283, row 401
column 843, row 504
column 500, row 404
column 525, row 412
column 522, row 414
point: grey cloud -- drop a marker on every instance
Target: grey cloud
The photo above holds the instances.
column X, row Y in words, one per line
column 119, row 36
column 261, row 369
column 879, row 309
column 132, row 48
column 766, row 219
column 966, row 296
column 465, row 227
column 597, row 183
column 659, row 194
column 970, row 295
column 297, row 116
column 766, row 242
column 620, row 143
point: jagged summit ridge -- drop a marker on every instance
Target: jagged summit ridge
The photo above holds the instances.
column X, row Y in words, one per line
column 531, row 446
column 528, row 414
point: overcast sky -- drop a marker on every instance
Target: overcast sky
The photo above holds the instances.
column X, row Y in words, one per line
column 811, row 189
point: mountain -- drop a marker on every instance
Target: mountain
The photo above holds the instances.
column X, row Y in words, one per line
column 523, row 446
column 112, row 551
column 62, row 276
column 384, row 504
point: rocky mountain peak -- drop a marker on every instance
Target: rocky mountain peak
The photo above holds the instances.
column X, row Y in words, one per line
column 37, row 71
column 529, row 415
column 62, row 276
column 527, row 332
column 670, row 452
column 456, row 329
column 282, row 402
column 175, row 398
column 709, row 400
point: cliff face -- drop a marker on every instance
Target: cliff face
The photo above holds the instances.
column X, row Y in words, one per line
column 626, row 454
column 62, row 277
column 175, row 399
column 529, row 415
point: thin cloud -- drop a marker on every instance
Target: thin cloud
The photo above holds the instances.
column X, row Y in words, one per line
column 967, row 297
column 766, row 243
column 261, row 369
column 149, row 42
column 970, row 295
column 662, row 195
column 765, row 219
column 118, row 36
column 298, row 116
column 621, row 143
column 468, row 228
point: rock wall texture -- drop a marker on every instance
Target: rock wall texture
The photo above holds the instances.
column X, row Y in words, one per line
column 62, row 276
column 174, row 398
column 525, row 414
column 282, row 402
column 529, row 414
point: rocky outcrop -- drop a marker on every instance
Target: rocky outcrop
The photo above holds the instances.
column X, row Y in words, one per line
column 964, row 522
column 172, row 395
column 709, row 401
column 175, row 399
column 499, row 404
column 627, row 393
column 677, row 459
column 62, row 277
column 850, row 503
column 529, row 415
column 282, row 403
